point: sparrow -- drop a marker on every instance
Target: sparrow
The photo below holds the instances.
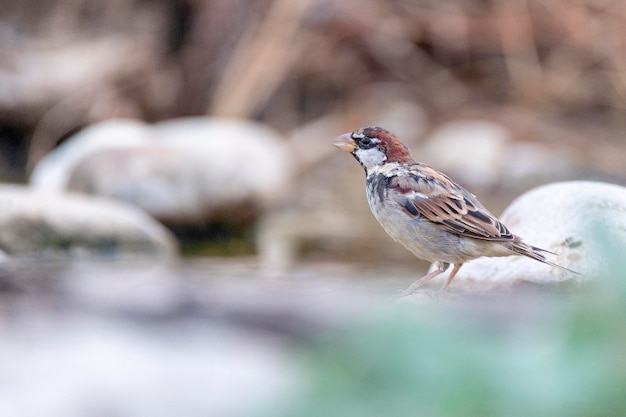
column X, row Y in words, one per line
column 424, row 210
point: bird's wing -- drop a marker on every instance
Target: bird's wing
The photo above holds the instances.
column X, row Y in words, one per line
column 427, row 193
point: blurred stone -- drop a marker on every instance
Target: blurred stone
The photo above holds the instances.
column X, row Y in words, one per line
column 471, row 150
column 44, row 73
column 186, row 171
column 579, row 221
column 51, row 225
column 483, row 154
column 53, row 172
column 531, row 163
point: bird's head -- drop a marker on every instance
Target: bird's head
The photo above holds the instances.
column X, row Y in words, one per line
column 374, row 147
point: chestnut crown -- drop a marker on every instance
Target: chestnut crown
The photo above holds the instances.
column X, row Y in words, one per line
column 374, row 146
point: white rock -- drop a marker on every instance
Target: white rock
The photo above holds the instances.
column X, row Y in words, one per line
column 181, row 171
column 238, row 160
column 39, row 224
column 580, row 221
column 53, row 172
column 533, row 163
column 483, row 154
column 469, row 149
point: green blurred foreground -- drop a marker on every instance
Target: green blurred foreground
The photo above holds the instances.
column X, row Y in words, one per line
column 549, row 355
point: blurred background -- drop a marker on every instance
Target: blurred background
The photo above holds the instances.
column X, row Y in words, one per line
column 503, row 96
column 192, row 138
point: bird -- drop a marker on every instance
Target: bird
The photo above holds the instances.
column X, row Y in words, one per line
column 432, row 216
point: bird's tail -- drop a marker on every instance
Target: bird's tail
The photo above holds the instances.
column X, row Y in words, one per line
column 536, row 253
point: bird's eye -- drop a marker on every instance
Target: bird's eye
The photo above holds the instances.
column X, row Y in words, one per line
column 366, row 142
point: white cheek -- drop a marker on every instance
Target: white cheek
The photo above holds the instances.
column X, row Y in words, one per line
column 371, row 157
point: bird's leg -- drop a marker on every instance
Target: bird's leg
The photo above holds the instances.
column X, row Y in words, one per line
column 451, row 276
column 441, row 268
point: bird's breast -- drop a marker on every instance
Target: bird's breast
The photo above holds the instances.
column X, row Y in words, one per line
column 425, row 239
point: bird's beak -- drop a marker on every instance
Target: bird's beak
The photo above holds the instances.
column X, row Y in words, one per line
column 345, row 143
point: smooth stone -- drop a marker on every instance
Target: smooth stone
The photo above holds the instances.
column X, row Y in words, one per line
column 53, row 172
column 484, row 154
column 52, row 225
column 468, row 149
column 184, row 171
column 582, row 222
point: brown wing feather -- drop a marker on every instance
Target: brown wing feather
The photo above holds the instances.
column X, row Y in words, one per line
column 434, row 196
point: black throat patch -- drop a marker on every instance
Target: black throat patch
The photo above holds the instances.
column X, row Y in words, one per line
column 377, row 186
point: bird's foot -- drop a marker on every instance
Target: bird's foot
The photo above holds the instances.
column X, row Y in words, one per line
column 416, row 291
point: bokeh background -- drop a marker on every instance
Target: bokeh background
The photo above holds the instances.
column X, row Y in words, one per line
column 502, row 96
column 264, row 263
